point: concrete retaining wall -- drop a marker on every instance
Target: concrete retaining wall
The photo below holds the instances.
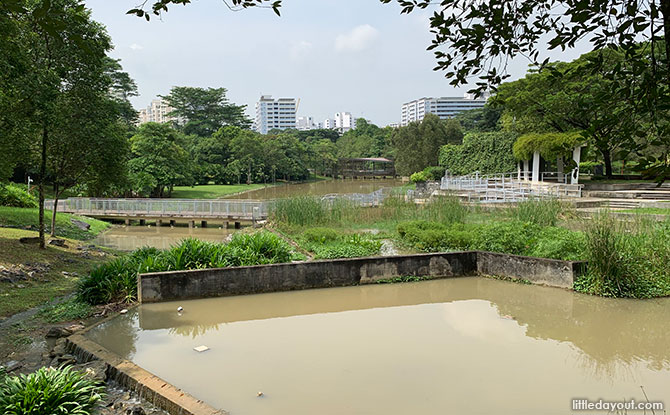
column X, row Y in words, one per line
column 177, row 285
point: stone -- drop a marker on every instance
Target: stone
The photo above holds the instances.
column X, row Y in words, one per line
column 80, row 224
column 13, row 365
column 58, row 242
column 59, row 348
column 95, row 369
column 75, row 327
column 64, row 360
column 58, row 332
column 135, row 410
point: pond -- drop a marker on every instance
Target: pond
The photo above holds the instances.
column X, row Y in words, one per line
column 129, row 238
column 452, row 346
column 319, row 188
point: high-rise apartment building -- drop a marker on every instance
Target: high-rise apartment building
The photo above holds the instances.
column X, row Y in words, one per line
column 342, row 122
column 157, row 111
column 305, row 123
column 444, row 107
column 275, row 114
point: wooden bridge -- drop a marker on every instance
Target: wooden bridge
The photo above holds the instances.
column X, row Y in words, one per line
column 160, row 210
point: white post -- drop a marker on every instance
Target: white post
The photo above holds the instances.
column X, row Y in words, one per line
column 576, row 156
column 536, row 167
column 526, row 168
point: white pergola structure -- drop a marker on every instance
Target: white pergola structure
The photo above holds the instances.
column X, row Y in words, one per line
column 524, row 172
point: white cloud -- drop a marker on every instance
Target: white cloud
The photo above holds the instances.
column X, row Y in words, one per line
column 300, row 49
column 135, row 46
column 360, row 38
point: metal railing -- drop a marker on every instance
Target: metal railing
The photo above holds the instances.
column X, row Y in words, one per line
column 507, row 187
column 163, row 207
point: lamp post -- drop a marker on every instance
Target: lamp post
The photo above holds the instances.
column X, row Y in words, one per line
column 29, row 181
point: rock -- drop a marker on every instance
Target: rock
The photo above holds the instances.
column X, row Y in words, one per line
column 80, row 224
column 13, row 365
column 64, row 360
column 135, row 410
column 75, row 327
column 58, row 332
column 58, row 242
column 96, row 370
column 59, row 348
column 29, row 240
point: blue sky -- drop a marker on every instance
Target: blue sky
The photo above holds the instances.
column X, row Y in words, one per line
column 359, row 56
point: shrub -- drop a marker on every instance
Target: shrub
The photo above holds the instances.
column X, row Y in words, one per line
column 559, row 243
column 320, row 235
column 418, row 177
column 486, row 152
column 506, row 237
column 50, row 391
column 542, row 212
column 432, row 236
column 117, row 280
column 16, row 196
column 434, row 172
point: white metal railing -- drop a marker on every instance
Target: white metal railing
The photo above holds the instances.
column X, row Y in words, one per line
column 507, row 187
column 162, row 207
column 251, row 209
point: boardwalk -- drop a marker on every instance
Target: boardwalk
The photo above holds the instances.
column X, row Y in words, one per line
column 167, row 209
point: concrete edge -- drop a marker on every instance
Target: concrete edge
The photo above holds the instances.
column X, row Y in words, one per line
column 149, row 387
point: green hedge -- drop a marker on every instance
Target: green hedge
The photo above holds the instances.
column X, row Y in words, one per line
column 484, row 152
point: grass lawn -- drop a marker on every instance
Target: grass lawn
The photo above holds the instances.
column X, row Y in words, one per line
column 212, row 191
column 649, row 211
column 42, row 286
column 28, row 218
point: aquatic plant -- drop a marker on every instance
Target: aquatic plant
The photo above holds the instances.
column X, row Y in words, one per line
column 50, row 391
column 117, row 280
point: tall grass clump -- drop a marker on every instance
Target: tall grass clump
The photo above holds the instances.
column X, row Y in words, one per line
column 117, row 280
column 446, row 209
column 542, row 212
column 327, row 243
column 50, row 391
column 626, row 259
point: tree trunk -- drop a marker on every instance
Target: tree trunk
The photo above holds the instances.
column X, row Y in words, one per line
column 43, row 172
column 53, row 213
column 249, row 174
column 607, row 158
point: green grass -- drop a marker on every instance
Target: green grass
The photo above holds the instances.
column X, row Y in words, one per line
column 68, row 310
column 44, row 287
column 212, row 191
column 648, row 211
column 24, row 218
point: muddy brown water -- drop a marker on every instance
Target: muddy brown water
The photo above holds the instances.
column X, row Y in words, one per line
column 128, row 238
column 453, row 346
column 319, row 188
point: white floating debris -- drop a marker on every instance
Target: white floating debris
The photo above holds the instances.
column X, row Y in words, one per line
column 124, row 311
column 201, row 349
column 180, row 309
column 259, row 394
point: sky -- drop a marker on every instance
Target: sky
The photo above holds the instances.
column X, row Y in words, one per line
column 358, row 56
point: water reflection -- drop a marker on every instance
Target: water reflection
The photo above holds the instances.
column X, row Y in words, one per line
column 129, row 238
column 319, row 188
column 464, row 335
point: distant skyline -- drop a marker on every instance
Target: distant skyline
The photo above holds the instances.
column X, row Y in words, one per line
column 359, row 56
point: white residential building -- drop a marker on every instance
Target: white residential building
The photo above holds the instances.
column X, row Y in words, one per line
column 443, row 107
column 157, row 111
column 275, row 114
column 344, row 121
column 329, row 124
column 305, row 123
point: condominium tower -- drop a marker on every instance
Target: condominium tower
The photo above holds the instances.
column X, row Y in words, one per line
column 444, row 107
column 157, row 111
column 275, row 114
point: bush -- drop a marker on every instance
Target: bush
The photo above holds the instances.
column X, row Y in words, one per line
column 50, row 391
column 542, row 212
column 320, row 235
column 329, row 244
column 16, row 196
column 117, row 280
column 506, row 237
column 434, row 172
column 559, row 243
column 485, row 152
column 433, row 237
column 418, row 177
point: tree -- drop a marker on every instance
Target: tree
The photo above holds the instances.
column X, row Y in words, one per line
column 247, row 147
column 573, row 96
column 160, row 160
column 480, row 119
column 366, row 140
column 61, row 52
column 204, row 111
